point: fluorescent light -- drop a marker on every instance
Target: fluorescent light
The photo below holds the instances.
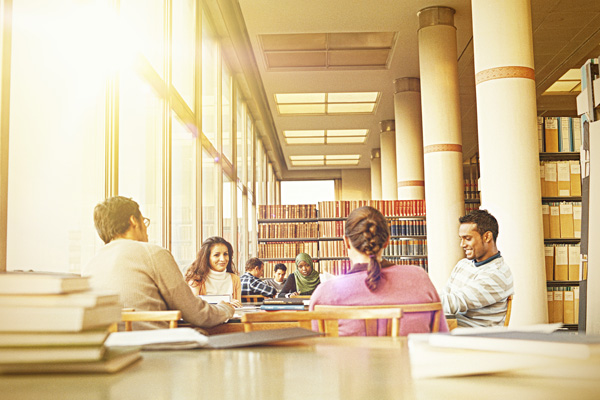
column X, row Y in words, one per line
column 301, row 108
column 304, row 140
column 346, row 139
column 342, row 157
column 352, row 97
column 296, row 98
column 347, row 132
column 350, row 108
column 308, row 133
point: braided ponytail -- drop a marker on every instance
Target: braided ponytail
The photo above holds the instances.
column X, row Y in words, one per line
column 367, row 231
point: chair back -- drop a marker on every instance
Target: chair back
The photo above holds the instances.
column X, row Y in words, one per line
column 252, row 298
column 327, row 320
column 129, row 316
column 434, row 308
column 508, row 310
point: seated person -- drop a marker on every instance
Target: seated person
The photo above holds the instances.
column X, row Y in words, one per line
column 304, row 280
column 279, row 280
column 481, row 283
column 213, row 271
column 374, row 281
column 251, row 283
column 145, row 276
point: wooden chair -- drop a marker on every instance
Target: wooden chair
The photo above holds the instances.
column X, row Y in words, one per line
column 327, row 320
column 129, row 315
column 508, row 310
column 252, row 298
column 434, row 308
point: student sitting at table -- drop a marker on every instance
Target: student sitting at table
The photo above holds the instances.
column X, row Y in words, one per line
column 279, row 279
column 374, row 281
column 304, row 280
column 251, row 283
column 213, row 272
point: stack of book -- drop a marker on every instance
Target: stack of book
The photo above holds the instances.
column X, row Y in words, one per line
column 285, row 303
column 55, row 323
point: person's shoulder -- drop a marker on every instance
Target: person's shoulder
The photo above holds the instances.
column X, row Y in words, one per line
column 234, row 277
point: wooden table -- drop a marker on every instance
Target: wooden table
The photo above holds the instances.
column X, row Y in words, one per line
column 321, row 368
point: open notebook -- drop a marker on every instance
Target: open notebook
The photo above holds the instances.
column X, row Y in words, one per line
column 188, row 338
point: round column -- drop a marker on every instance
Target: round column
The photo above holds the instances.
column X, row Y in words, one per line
column 409, row 139
column 388, row 160
column 508, row 148
column 375, row 174
column 442, row 142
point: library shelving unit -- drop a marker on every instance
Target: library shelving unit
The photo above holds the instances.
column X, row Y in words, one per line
column 283, row 232
column 560, row 174
column 471, row 184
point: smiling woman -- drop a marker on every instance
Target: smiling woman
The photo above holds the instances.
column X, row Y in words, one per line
column 213, row 272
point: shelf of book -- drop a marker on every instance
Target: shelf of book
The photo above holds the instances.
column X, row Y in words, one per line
column 280, row 220
column 563, row 241
column 566, row 156
column 473, row 201
column 551, row 283
column 560, row 198
column 287, row 240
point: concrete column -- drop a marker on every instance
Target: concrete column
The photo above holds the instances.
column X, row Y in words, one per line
column 442, row 143
column 409, row 139
column 388, row 160
column 375, row 174
column 506, row 118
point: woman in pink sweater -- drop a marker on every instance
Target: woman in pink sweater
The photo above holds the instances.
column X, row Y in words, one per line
column 374, row 281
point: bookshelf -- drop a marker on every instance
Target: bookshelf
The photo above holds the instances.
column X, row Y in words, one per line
column 319, row 232
column 560, row 175
column 472, row 196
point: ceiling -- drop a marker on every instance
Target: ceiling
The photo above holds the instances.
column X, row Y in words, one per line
column 565, row 32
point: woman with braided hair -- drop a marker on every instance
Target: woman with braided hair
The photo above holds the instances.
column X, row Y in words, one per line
column 375, row 281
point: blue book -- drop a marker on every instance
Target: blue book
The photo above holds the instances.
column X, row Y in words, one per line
column 279, row 307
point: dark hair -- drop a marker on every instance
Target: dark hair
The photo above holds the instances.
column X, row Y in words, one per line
column 484, row 220
column 111, row 217
column 198, row 271
column 367, row 230
column 280, row 266
column 253, row 263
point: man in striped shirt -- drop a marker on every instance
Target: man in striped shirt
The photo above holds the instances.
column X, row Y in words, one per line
column 480, row 284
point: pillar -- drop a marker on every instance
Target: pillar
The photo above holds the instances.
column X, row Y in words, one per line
column 388, row 160
column 375, row 174
column 409, row 139
column 442, row 141
column 509, row 161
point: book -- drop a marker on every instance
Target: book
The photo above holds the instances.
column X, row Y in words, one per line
column 549, row 261
column 556, row 344
column 550, row 299
column 56, row 319
column 566, row 220
column 18, row 282
column 77, row 299
column 551, row 179
column 551, row 134
column 114, row 360
column 568, row 316
column 575, row 177
column 278, row 307
column 17, row 355
column 559, row 305
column 188, row 338
column 286, row 300
column 35, row 339
column 574, row 259
column 561, row 262
column 546, row 220
column 554, row 221
column 563, row 173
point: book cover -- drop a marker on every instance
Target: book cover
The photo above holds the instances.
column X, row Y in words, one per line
column 57, row 319
column 546, row 220
column 77, row 299
column 549, row 261
column 19, row 282
column 566, row 220
column 551, row 179
column 550, row 299
column 577, row 220
column 574, row 258
column 576, row 125
column 565, row 135
column 563, row 173
column 559, row 309
column 18, row 355
column 561, row 263
column 554, row 221
column 576, row 304
column 551, row 134
column 36, row 339
column 568, row 316
column 114, row 360
column 543, row 178
column 575, row 177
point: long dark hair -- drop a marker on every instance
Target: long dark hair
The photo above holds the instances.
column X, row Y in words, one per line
column 367, row 230
column 198, row 271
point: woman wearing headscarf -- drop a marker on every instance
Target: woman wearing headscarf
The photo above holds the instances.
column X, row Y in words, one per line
column 304, row 280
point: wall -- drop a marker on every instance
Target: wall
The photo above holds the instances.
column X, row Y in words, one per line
column 356, row 184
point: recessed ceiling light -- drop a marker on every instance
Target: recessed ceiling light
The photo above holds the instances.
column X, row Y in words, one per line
column 330, row 136
column 360, row 97
column 299, row 98
column 569, row 83
column 326, row 103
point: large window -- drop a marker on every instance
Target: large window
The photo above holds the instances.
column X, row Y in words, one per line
column 228, row 221
column 184, row 49
column 209, row 195
column 140, row 150
column 56, row 146
column 183, row 189
column 227, row 116
column 209, row 83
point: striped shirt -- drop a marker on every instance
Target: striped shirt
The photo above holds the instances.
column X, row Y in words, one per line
column 477, row 292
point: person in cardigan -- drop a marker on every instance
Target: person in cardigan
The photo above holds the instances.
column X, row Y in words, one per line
column 374, row 281
column 145, row 276
column 251, row 283
column 480, row 284
column 213, row 271
column 304, row 280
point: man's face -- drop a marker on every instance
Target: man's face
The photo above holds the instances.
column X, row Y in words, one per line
column 258, row 272
column 471, row 242
column 279, row 275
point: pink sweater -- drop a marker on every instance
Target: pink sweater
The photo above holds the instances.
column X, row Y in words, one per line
column 399, row 284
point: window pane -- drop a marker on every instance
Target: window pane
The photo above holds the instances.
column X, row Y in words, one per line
column 251, row 228
column 228, row 208
column 250, row 153
column 209, row 192
column 227, row 121
column 260, row 170
column 140, row 149
column 242, row 250
column 241, row 143
column 184, row 37
column 56, row 146
column 142, row 30
column 183, row 215
column 209, row 84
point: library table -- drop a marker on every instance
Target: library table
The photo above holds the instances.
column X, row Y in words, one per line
column 318, row 368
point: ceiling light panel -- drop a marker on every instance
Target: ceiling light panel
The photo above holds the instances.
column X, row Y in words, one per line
column 346, row 139
column 286, row 42
column 347, row 132
column 297, row 98
column 350, row 108
column 352, row 97
column 301, row 108
column 326, row 103
column 288, row 134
